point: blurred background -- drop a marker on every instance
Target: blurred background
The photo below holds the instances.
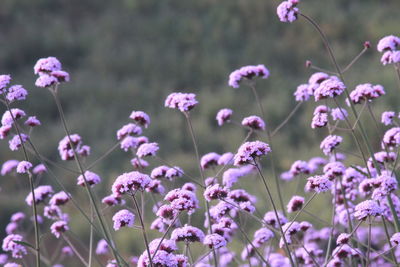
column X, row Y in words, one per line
column 129, row 55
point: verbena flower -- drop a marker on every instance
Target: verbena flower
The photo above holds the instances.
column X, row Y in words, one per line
column 226, row 158
column 112, row 200
column 215, row 192
column 16, row 142
column 182, row 200
column 59, row 227
column 16, row 93
column 5, row 79
column 334, row 169
column 32, row 121
column 102, row 247
column 8, row 116
column 261, row 236
column 173, row 172
column 329, row 88
column 67, row 251
column 295, row 204
column 214, row 241
column 343, row 239
column 66, row 151
column 339, row 114
column 318, row 183
column 388, row 43
column 330, row 143
column 303, row 93
column 39, row 169
column 395, row 239
column 140, row 118
column 387, row 117
column 59, row 199
column 128, row 129
column 159, row 172
column 271, row 219
column 367, row 208
column 391, row 138
column 249, row 151
column 129, row 182
column 366, row 92
column 123, row 218
column 17, row 217
column 299, row 167
column 91, row 179
column 254, row 122
column 248, row 73
column 209, row 159
column 41, row 193
column 24, row 166
column 50, row 72
column 147, row 149
column 16, row 249
column 287, row 11
column 182, row 101
column 224, row 115
column 9, row 166
column 187, row 233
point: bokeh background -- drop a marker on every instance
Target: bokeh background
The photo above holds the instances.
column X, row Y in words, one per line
column 129, row 55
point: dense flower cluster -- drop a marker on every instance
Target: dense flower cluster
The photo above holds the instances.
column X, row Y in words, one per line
column 249, row 151
column 248, row 73
column 50, row 72
column 182, row 101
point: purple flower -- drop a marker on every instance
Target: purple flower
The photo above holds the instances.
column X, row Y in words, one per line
column 61, row 76
column 187, row 233
column 41, row 193
column 247, row 72
column 366, row 92
column 112, row 200
column 4, row 81
column 329, row 88
column 303, row 93
column 24, row 166
column 139, row 163
column 39, row 169
column 47, row 65
column 224, row 115
column 249, row 151
column 182, row 101
column 58, row 228
column 11, row 228
column 159, row 172
column 123, row 218
column 129, row 182
column 167, row 213
column 330, row 143
column 128, row 129
column 209, row 159
column 388, row 43
column 17, row 217
column 141, row 118
column 215, row 192
column 226, row 158
column 46, row 80
column 17, row 250
column 173, row 172
column 343, row 239
column 298, row 167
column 66, row 150
column 395, row 239
column 67, row 251
column 270, row 219
column 315, row 163
column 295, row 204
column 156, row 187
column 391, row 137
column 147, row 149
column 254, row 122
column 181, row 200
column 15, row 143
column 320, row 118
column 214, row 241
column 32, row 121
column 261, row 236
column 4, row 131
column 334, row 169
column 385, row 184
column 9, row 166
column 102, row 247
column 287, row 11
column 387, row 117
column 390, row 57
column 91, row 179
column 59, row 199
column 339, row 114
column 367, row 208
column 8, row 116
column 16, row 92
column 318, row 183
column 190, row 187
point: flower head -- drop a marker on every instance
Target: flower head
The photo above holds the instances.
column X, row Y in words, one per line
column 247, row 72
column 187, row 233
column 24, row 166
column 102, row 247
column 16, row 92
column 5, row 79
column 366, row 92
column 209, row 159
column 9, row 166
column 130, row 181
column 91, row 179
column 9, row 117
column 330, row 143
column 16, row 142
column 254, row 122
column 147, row 149
column 287, row 11
column 59, row 227
column 329, row 88
column 295, row 204
column 367, row 208
column 140, row 118
column 59, row 199
column 16, row 249
column 123, row 218
column 224, row 115
column 387, row 117
column 388, row 43
column 318, row 183
column 41, row 193
column 214, row 241
column 32, row 121
column 249, row 151
column 182, row 101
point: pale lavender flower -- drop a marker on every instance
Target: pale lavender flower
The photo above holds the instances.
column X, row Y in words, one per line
column 32, row 121
column 319, row 120
column 4, row 81
column 303, row 93
column 182, row 101
column 249, row 151
column 52, row 212
column 129, row 182
column 226, row 158
column 388, row 43
column 240, row 195
column 174, row 172
column 330, row 143
column 391, row 137
column 287, row 11
column 16, row 92
column 4, row 258
column 387, row 117
column 67, row 251
column 41, row 193
column 295, row 204
column 59, row 227
column 140, row 118
column 182, row 200
column 112, row 200
column 9, row 245
column 159, row 172
column 139, row 163
column 9, row 166
column 366, row 92
column 147, row 149
column 8, row 116
column 161, row 258
column 254, row 122
column 215, row 191
column 317, row 78
column 47, row 65
column 16, row 142
column 158, row 225
column 214, row 241
column 156, row 187
column 4, row 131
column 329, row 88
column 59, row 199
column 318, row 183
column 167, row 213
column 385, row 184
column 66, row 151
column 187, row 233
column 223, row 115
column 166, row 245
column 247, row 72
column 91, row 179
column 367, row 208
column 61, row 76
column 128, row 129
column 334, row 169
column 298, row 167
column 102, row 247
column 315, row 163
column 209, row 159
column 123, row 218
column 270, row 219
column 24, row 166
column 261, row 236
column 17, row 217
column 39, row 169
column 395, row 239
column 46, row 80
column 386, row 58
column 129, row 142
column 11, row 228
column 339, row 114
column 190, row 187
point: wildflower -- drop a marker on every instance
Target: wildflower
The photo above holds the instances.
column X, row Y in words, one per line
column 123, row 218
column 128, row 129
column 189, row 186
column 215, row 192
column 298, row 167
column 67, row 251
column 262, row 236
column 391, row 137
column 10, row 115
column 334, row 169
column 102, row 247
column 112, row 200
column 16, row 249
column 249, row 151
column 47, row 65
column 90, row 177
column 41, row 193
column 9, row 166
column 66, row 150
column 187, row 233
column 141, row 118
column 295, row 204
column 343, row 239
column 17, row 217
column 4, row 131
column 161, row 258
column 214, row 241
column 287, row 11
column 129, row 142
column 320, row 118
column 226, row 158
column 366, row 92
column 395, row 239
column 315, row 163
column 303, row 93
column 32, row 121
column 182, row 101
column 167, row 213
column 58, row 228
column 367, row 208
column 130, row 181
column 46, row 80
column 24, row 166
column 271, row 219
column 11, row 228
column 318, row 183
column 339, row 114
column 182, row 200
column 52, row 212
column 329, row 88
column 387, row 117
column 173, row 172
column 4, row 81
column 223, row 116
column 39, row 169
column 247, row 72
column 385, row 184
column 254, row 122
column 147, row 149
column 16, row 92
column 59, row 199
column 209, row 160
column 16, row 142
column 156, row 187
column 330, row 143
column 388, row 43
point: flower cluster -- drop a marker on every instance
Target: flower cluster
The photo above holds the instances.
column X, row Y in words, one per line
column 50, row 72
column 248, row 73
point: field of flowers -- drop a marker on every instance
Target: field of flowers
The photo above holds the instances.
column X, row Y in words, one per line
column 177, row 218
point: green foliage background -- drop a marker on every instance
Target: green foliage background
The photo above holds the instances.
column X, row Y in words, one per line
column 129, row 55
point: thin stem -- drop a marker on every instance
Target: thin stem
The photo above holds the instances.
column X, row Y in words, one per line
column 283, row 123
column 146, row 242
column 354, row 60
column 328, row 250
column 108, row 152
column 369, row 240
column 300, row 211
column 165, row 234
column 91, row 238
column 75, row 250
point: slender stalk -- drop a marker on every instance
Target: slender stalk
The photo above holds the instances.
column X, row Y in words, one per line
column 328, row 250
column 108, row 152
column 276, row 213
column 369, row 240
column 354, row 60
column 165, row 234
column 300, row 211
column 283, row 123
column 146, row 242
column 31, row 184
column 75, row 250
column 91, row 238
